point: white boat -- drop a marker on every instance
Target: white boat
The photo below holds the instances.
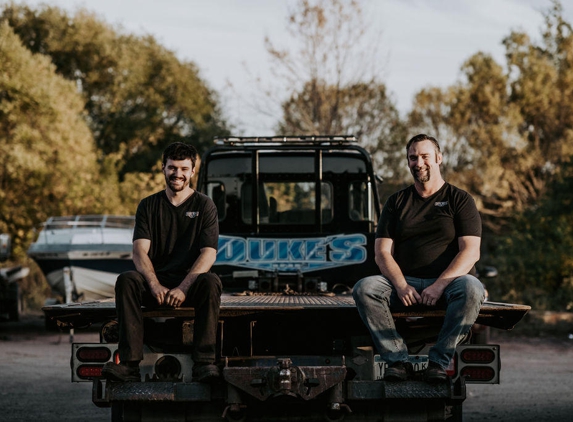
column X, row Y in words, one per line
column 82, row 255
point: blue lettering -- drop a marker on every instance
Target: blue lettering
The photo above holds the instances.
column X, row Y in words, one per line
column 295, row 250
column 315, row 250
column 231, row 250
column 282, row 250
column 262, row 249
column 308, row 254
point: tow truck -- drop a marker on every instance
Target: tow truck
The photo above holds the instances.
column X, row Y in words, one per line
column 297, row 218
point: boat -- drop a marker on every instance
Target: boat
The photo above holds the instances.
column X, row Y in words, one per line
column 82, row 255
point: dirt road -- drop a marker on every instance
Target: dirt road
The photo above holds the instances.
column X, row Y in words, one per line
column 537, row 379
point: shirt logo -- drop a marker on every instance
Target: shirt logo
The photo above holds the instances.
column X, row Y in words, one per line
column 440, row 204
column 192, row 214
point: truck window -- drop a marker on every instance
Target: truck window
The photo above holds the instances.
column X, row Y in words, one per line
column 359, row 206
column 247, row 206
column 286, row 202
column 287, row 188
column 294, row 202
column 216, row 191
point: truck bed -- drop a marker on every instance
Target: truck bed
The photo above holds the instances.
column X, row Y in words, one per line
column 494, row 314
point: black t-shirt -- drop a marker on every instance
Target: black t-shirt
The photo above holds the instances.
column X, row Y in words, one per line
column 426, row 230
column 177, row 233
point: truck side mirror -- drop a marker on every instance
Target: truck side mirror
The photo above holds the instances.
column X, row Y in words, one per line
column 5, row 243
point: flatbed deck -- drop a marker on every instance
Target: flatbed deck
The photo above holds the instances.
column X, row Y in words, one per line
column 494, row 314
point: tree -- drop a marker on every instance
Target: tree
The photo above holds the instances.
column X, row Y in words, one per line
column 509, row 129
column 535, row 255
column 331, row 83
column 49, row 162
column 138, row 96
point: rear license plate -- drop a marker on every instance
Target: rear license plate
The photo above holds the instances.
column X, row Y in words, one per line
column 419, row 362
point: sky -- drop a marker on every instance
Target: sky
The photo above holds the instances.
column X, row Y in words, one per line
column 422, row 42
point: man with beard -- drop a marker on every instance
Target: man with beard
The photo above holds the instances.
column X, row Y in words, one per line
column 427, row 242
column 174, row 246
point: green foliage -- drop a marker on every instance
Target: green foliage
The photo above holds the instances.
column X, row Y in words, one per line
column 85, row 112
column 507, row 129
column 508, row 138
column 49, row 162
column 535, row 257
column 138, row 96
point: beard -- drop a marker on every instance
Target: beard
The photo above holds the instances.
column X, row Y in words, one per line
column 171, row 183
column 421, row 174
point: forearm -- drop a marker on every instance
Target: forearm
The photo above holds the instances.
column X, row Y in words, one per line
column 202, row 265
column 461, row 265
column 144, row 266
column 389, row 268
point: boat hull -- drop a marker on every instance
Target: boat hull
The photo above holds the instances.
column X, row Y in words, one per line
column 92, row 275
column 81, row 256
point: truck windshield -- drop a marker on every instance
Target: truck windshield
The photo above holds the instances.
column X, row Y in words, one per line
column 287, row 188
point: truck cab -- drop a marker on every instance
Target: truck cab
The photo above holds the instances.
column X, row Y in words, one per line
column 296, row 211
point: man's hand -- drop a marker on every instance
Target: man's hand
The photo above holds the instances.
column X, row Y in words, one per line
column 408, row 295
column 431, row 294
column 159, row 292
column 175, row 297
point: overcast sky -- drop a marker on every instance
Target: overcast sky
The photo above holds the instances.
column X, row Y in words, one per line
column 423, row 42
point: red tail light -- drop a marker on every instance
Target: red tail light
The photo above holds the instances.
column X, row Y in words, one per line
column 452, row 368
column 89, row 371
column 477, row 356
column 478, row 373
column 93, row 354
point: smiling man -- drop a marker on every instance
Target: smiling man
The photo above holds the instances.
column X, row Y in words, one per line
column 427, row 243
column 174, row 246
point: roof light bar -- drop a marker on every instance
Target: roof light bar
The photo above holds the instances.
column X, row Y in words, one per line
column 293, row 140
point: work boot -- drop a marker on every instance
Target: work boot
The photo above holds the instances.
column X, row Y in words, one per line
column 435, row 373
column 205, row 372
column 121, row 372
column 399, row 371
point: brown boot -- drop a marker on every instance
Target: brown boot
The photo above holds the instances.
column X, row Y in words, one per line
column 435, row 373
column 399, row 371
column 121, row 372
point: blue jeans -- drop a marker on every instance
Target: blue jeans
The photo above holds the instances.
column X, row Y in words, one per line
column 375, row 296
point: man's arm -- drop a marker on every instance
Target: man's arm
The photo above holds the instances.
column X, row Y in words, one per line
column 144, row 265
column 390, row 269
column 462, row 264
column 175, row 297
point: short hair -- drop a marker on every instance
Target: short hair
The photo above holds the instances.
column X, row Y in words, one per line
column 422, row 137
column 180, row 151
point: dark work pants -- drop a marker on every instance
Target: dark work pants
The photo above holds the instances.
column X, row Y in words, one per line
column 132, row 291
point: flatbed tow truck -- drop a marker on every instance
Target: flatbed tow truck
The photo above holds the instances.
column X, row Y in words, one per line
column 297, row 217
